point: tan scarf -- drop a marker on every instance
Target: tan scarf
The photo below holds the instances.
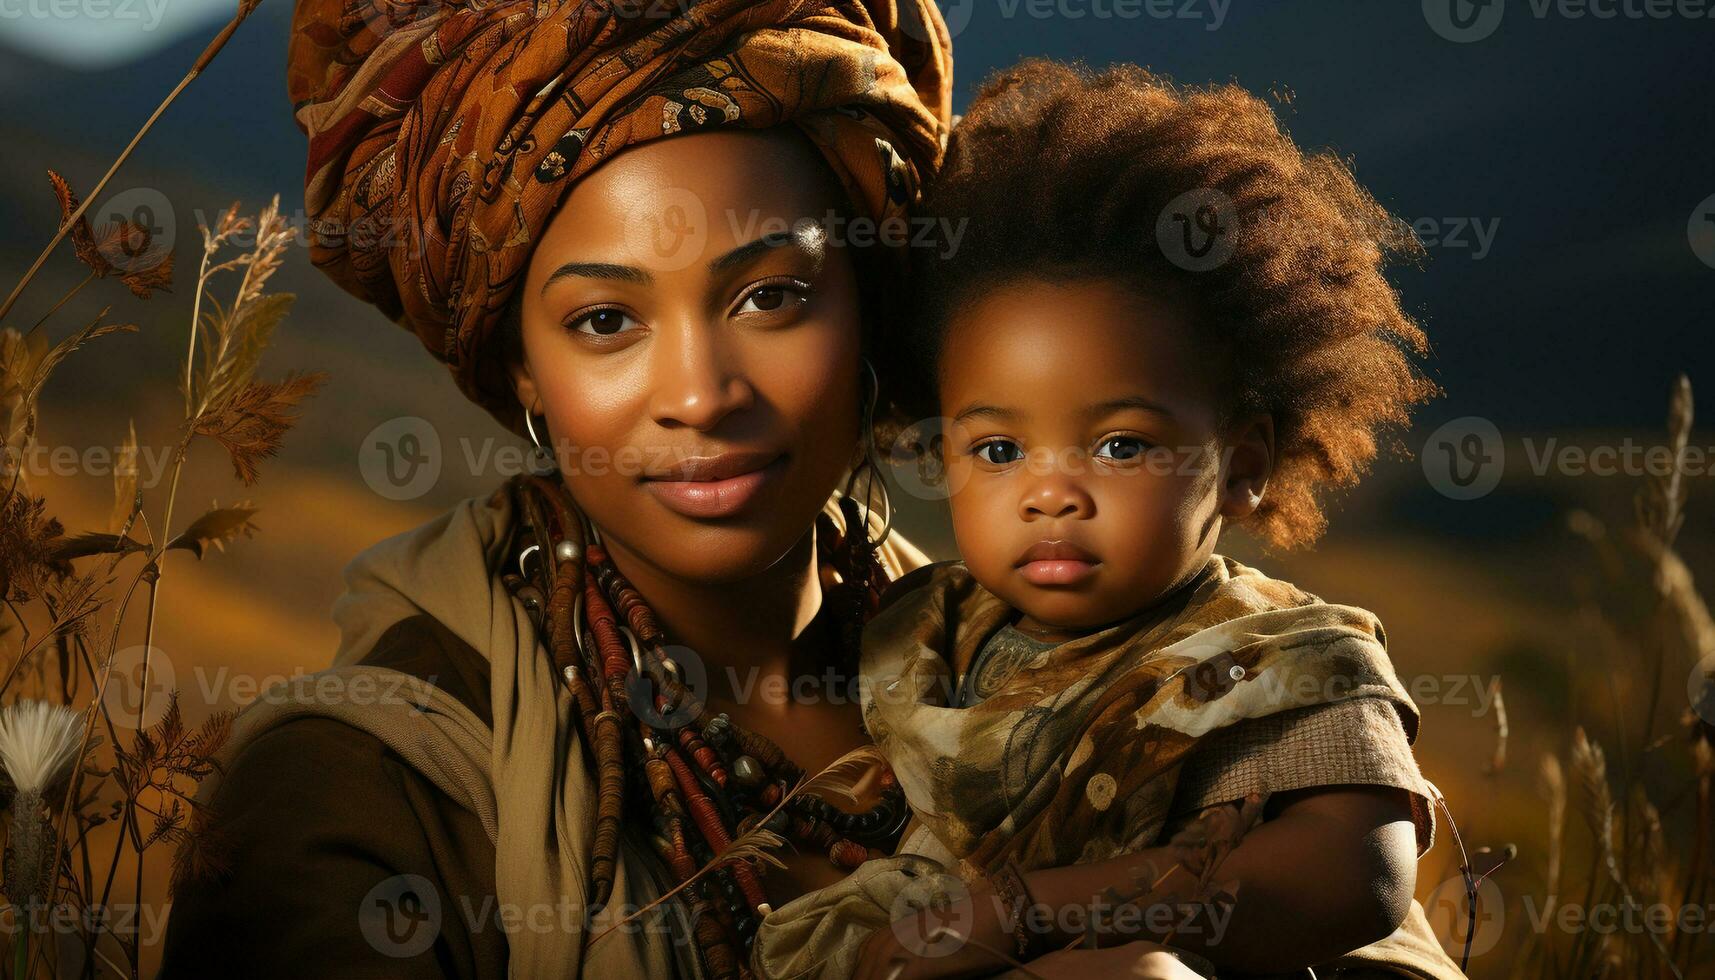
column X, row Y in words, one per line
column 1087, row 738
column 526, row 778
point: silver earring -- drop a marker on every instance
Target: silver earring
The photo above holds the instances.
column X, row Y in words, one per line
column 545, row 463
column 875, row 485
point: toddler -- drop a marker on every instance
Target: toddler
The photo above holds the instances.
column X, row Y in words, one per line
column 1163, row 319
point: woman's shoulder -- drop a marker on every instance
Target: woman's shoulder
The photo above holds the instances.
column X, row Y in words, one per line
column 321, row 752
column 311, row 817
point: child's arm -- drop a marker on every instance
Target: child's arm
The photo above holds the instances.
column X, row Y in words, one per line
column 1331, row 869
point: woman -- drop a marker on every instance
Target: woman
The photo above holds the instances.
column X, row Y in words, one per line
column 678, row 323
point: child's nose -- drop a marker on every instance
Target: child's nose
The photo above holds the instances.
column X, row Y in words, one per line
column 1056, row 496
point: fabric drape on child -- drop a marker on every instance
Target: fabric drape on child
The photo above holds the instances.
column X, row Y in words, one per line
column 1087, row 740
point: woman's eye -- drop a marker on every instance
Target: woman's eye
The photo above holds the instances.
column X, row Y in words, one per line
column 1000, row 452
column 773, row 297
column 1121, row 448
column 602, row 323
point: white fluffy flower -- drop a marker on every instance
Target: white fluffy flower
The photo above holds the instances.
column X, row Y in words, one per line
column 38, row 742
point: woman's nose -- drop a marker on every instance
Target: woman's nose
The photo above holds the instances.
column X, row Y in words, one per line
column 694, row 381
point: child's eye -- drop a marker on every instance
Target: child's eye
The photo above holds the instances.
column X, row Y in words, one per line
column 604, row 322
column 998, row 452
column 774, row 297
column 1121, row 448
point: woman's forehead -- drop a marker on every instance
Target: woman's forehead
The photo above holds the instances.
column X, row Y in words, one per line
column 688, row 199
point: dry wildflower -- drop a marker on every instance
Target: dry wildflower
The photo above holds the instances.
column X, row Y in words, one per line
column 1551, row 781
column 232, row 345
column 205, row 853
column 253, row 422
column 19, row 355
column 38, row 743
column 26, row 360
column 74, row 602
column 163, row 760
column 1596, row 800
column 229, row 225
column 1654, row 872
column 1661, row 502
column 1498, row 760
column 29, row 563
column 218, row 526
column 126, row 501
column 121, row 247
column 273, row 237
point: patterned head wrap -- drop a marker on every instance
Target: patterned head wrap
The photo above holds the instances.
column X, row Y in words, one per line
column 444, row 133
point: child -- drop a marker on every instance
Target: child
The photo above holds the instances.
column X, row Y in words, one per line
column 1164, row 318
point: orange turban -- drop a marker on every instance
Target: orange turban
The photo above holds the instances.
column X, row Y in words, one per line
column 444, row 133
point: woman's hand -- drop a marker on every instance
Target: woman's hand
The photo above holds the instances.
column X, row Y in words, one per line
column 967, row 938
column 971, row 938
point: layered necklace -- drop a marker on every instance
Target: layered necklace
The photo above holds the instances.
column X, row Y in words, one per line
column 693, row 781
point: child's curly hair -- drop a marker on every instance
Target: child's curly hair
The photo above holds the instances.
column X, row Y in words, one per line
column 1059, row 169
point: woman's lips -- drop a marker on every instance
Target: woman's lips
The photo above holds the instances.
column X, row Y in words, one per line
column 1056, row 563
column 715, row 498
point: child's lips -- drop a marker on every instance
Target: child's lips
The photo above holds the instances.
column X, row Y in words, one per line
column 1056, row 563
column 1057, row 572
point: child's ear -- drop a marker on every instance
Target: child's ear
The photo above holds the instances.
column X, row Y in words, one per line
column 1249, row 464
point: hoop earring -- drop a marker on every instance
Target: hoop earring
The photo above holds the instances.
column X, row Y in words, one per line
column 875, row 485
column 546, row 463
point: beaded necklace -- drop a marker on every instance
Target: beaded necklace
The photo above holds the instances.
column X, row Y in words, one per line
column 695, row 780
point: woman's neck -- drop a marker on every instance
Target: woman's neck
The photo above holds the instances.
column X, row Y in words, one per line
column 742, row 626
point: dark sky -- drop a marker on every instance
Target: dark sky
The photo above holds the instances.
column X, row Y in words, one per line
column 1583, row 146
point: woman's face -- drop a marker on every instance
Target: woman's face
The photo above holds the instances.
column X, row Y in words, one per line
column 692, row 337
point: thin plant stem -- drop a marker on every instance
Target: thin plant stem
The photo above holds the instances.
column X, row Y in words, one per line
column 244, row 10
column 62, row 301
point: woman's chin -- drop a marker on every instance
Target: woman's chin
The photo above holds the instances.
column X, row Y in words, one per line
column 714, row 553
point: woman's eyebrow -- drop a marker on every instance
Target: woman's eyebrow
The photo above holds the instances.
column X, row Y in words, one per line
column 599, row 270
column 810, row 239
column 810, row 242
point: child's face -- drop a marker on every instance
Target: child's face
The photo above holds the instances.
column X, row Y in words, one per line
column 1081, row 415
